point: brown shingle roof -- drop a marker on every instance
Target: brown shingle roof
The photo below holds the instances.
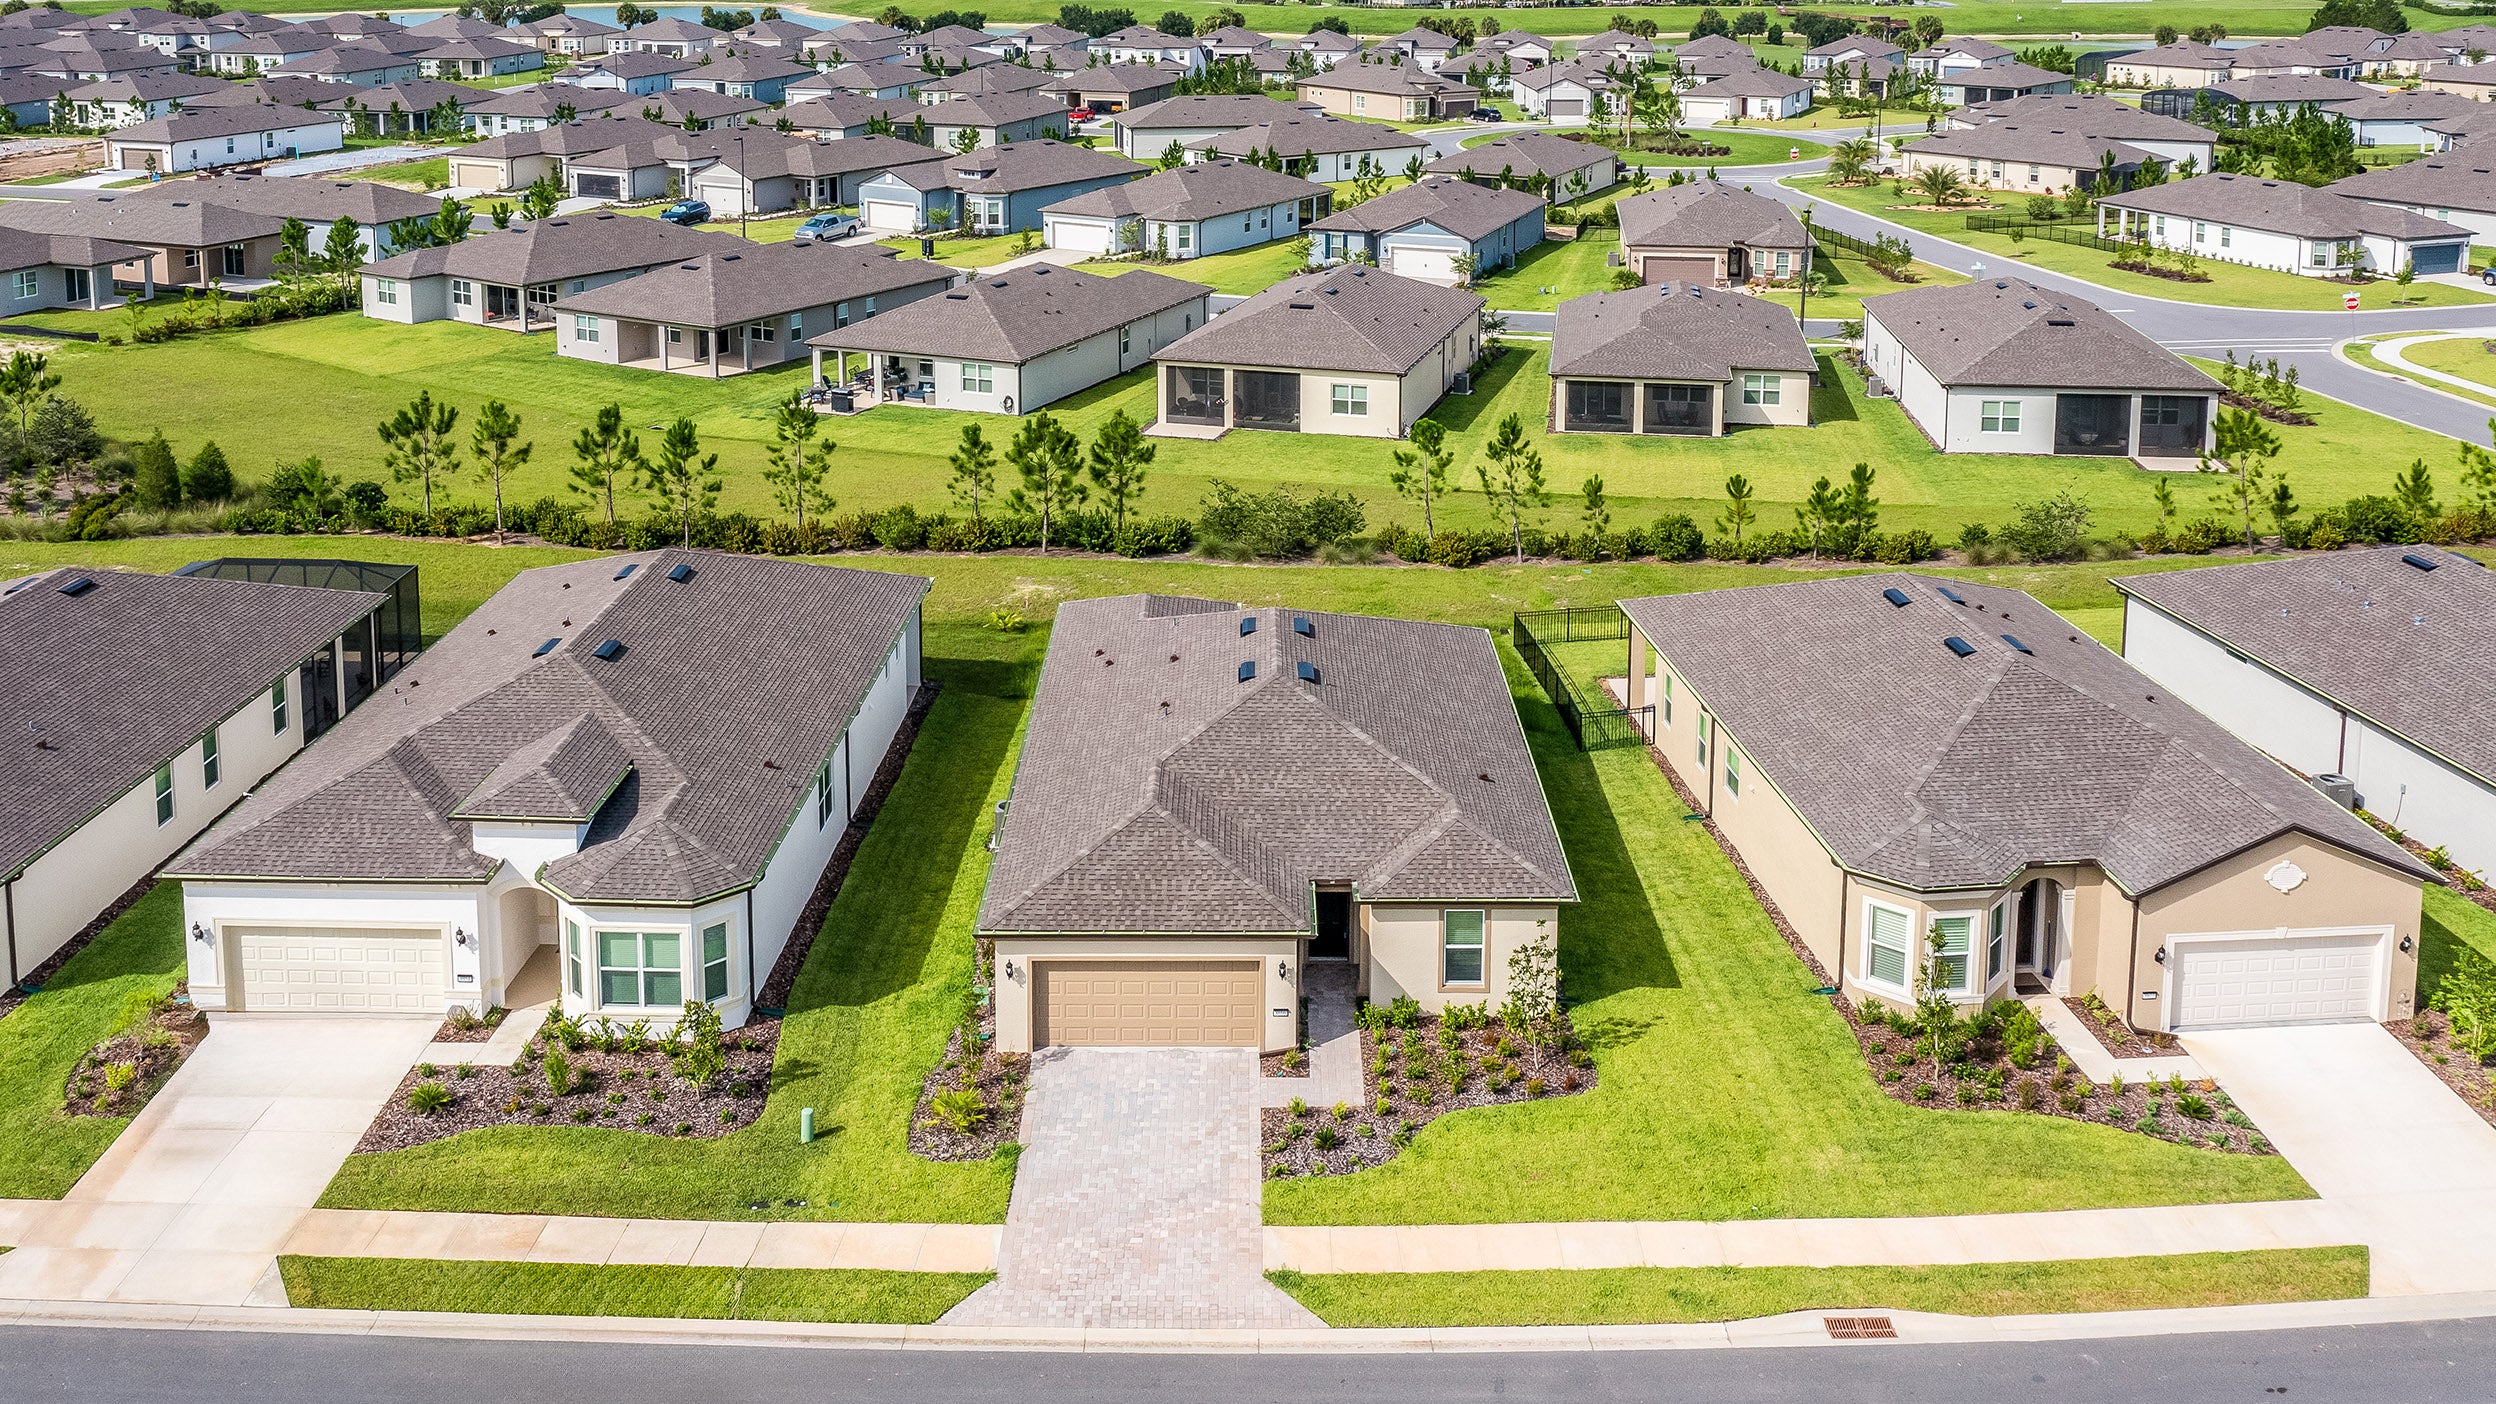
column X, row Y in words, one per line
column 720, row 288
column 1011, row 318
column 1675, row 331
column 1708, row 214
column 1199, row 190
column 1458, row 206
column 2012, row 333
column 2280, row 207
column 1348, row 318
column 552, row 250
column 1523, row 154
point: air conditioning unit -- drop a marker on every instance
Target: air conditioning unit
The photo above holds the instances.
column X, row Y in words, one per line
column 1464, row 382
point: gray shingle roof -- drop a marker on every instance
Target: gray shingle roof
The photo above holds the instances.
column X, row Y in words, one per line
column 1395, row 80
column 1199, row 190
column 2183, row 53
column 303, row 197
column 1675, row 331
column 552, row 250
column 716, row 773
column 2092, row 113
column 98, row 689
column 851, row 110
column 1169, row 797
column 2036, row 142
column 1958, row 772
column 1011, row 318
column 1118, row 78
column 1016, row 165
column 1708, row 214
column 1209, row 110
column 1312, row 136
column 2458, row 181
column 723, row 288
column 2281, row 207
column 2297, row 87
column 21, row 248
column 2007, row 332
column 2007, row 75
column 201, row 123
column 2347, row 624
column 1751, row 82
column 1458, row 206
column 141, row 220
column 1523, row 154
column 993, row 110
column 1348, row 318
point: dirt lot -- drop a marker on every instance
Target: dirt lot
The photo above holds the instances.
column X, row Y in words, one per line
column 35, row 156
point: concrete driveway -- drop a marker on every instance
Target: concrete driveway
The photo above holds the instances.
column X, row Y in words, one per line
column 2381, row 1138
column 192, row 1203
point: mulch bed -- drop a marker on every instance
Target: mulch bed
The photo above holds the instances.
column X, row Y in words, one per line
column 613, row 1088
column 1413, row 1090
column 11, row 996
column 2429, row 1036
column 2119, row 1039
column 2264, row 408
column 464, row 1027
column 1282, row 1064
column 155, row 1047
column 1987, row 1079
column 999, row 1078
column 2154, row 270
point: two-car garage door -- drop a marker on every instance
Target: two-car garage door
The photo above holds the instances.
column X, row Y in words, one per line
column 338, row 970
column 1149, row 1003
column 2289, row 978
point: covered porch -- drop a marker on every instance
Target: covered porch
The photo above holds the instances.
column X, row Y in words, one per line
column 704, row 351
column 853, row 382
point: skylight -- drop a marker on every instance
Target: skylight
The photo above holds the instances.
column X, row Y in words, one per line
column 1951, row 595
column 1300, row 625
column 1247, row 626
column 1248, row 671
column 77, row 587
column 627, row 570
column 2421, row 562
column 2013, row 641
column 607, row 652
column 680, row 573
column 547, row 647
column 1307, row 671
column 1895, row 596
column 1959, row 646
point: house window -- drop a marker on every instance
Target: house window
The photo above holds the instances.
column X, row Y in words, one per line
column 1125, row 337
column 277, row 708
column 211, row 761
column 1350, row 399
column 1360, row 102
column 1785, row 262
column 586, row 329
column 1997, row 924
column 385, row 292
column 1460, row 948
column 2201, row 231
column 463, row 293
column 1950, row 963
column 2032, row 175
column 190, row 258
column 1886, row 932
column 978, row 377
column 1763, row 389
column 26, row 284
column 1664, row 697
column 1187, row 232
column 641, row 967
column 763, row 331
column 1733, row 772
column 572, row 957
column 1706, row 734
column 715, row 962
column 823, row 793
column 1998, row 417
column 2321, row 258
column 234, row 260
column 2226, row 236
column 164, row 795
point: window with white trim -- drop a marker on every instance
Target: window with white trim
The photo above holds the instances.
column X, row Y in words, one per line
column 277, row 708
column 211, row 761
column 1997, row 929
column 715, row 961
column 385, row 291
column 978, row 378
column 1706, row 734
column 1733, row 771
column 1951, row 967
column 463, row 293
column 586, row 329
column 1461, row 935
column 572, row 959
column 1664, row 699
column 1349, row 399
column 1760, row 389
column 164, row 795
column 26, row 283
column 641, row 967
column 1998, row 417
column 1887, row 931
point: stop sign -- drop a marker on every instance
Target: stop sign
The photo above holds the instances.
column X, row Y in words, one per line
column 2348, row 301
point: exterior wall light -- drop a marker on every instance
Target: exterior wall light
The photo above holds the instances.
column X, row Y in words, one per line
column 463, row 940
column 200, row 934
column 2161, row 957
column 1282, row 970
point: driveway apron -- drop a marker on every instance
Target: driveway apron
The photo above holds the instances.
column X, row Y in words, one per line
column 1137, row 1201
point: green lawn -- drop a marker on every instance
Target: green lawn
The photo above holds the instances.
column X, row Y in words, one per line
column 868, row 1018
column 2230, row 285
column 42, row 1151
column 572, row 1289
column 1551, row 273
column 964, row 252
column 1647, row 1296
column 1851, row 280
column 1750, row 148
column 2452, row 926
column 426, row 173
column 2464, row 356
column 1242, row 272
column 2346, row 451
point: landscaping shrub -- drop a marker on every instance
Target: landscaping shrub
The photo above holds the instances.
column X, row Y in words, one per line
column 1903, row 547
column 2374, row 519
column 1275, row 525
column 2049, row 529
column 2204, row 535
column 899, row 529
column 1675, row 537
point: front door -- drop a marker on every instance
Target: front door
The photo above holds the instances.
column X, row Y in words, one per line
column 2040, row 927
column 1334, row 927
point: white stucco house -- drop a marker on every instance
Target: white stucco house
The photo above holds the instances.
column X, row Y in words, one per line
column 2373, row 665
column 2280, row 224
column 1192, row 210
column 561, row 787
column 198, row 138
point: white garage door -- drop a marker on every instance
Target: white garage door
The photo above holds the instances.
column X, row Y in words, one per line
column 1080, row 235
column 2287, row 979
column 339, row 970
column 1428, row 265
column 891, row 215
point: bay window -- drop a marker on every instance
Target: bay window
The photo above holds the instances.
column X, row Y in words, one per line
column 715, row 961
column 1951, row 937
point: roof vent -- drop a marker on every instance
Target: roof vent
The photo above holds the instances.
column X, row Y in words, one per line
column 957, row 297
column 1248, row 671
column 1307, row 671
column 2031, row 306
column 2060, row 322
column 1895, row 596
column 78, row 587
column 2001, row 287
column 680, row 572
column 730, row 258
column 1300, row 625
column 547, row 647
column 1304, row 307
column 2412, row 558
column 2013, row 641
column 1951, row 595
column 609, row 651
column 562, row 223
column 1247, row 625
column 629, row 568
column 1959, row 646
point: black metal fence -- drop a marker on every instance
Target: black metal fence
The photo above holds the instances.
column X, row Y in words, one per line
column 1830, row 238
column 2081, row 232
column 1596, row 722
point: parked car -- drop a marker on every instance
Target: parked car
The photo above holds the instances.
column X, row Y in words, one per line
column 2488, row 276
column 1080, row 114
column 1483, row 114
column 825, row 228
column 687, row 212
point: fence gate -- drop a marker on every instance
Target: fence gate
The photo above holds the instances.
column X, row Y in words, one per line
column 1596, row 722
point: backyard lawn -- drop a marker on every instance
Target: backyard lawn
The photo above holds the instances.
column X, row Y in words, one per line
column 1240, row 272
column 1552, row 272
column 571, row 1289
column 424, row 173
column 2230, row 285
column 1851, row 280
column 1639, row 1296
column 1749, row 148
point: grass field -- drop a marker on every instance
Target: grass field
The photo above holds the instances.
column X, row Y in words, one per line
column 427, row 173
column 2464, row 356
column 2230, row 285
column 1639, row 1296
column 570, row 1289
column 1242, row 272
column 1851, row 280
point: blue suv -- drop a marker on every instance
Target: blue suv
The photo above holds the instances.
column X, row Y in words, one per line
column 686, row 212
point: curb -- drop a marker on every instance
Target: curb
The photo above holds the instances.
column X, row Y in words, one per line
column 2340, row 353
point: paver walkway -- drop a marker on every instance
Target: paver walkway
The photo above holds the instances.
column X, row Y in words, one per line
column 1334, row 1042
column 1136, row 1203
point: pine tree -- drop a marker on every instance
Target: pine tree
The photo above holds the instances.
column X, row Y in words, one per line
column 417, row 444
column 799, row 465
column 682, row 479
column 2244, row 445
column 1738, row 511
column 1421, row 473
column 1048, row 457
column 608, row 453
column 497, row 456
column 1518, row 483
column 1119, row 460
column 155, row 479
column 974, row 470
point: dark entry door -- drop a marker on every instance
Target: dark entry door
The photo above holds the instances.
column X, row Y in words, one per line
column 2094, row 424
column 318, row 685
column 1334, row 927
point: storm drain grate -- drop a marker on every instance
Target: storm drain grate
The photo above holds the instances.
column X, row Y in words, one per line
column 1860, row 1328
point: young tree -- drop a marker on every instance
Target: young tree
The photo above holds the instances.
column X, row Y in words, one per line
column 2162, row 497
column 1421, row 473
column 1939, row 1033
column 1738, row 511
column 294, row 249
column 417, row 444
column 684, row 480
column 1517, row 483
column 26, row 381
column 2244, row 446
column 2283, row 505
column 1857, row 514
column 342, row 252
column 799, row 465
column 974, row 470
column 2414, row 488
column 497, row 455
column 1049, row 459
column 2478, row 475
column 539, row 200
column 155, row 478
column 608, row 453
column 452, row 223
column 1596, row 513
column 207, row 477
column 1817, row 515
column 1119, row 460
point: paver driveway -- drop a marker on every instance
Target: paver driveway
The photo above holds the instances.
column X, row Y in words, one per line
column 1137, row 1201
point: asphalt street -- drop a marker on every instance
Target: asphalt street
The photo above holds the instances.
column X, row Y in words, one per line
column 2403, row 1364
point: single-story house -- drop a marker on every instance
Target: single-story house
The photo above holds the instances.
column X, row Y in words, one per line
column 2186, row 63
column 1123, row 906
column 2477, row 120
column 60, row 270
column 1143, row 44
column 558, row 793
column 568, row 34
column 1350, row 350
column 2021, row 158
column 2260, row 97
column 75, row 61
column 1327, row 47
column 187, row 243
column 994, row 190
column 1118, row 87
column 359, row 65
column 1201, row 208
column 1851, row 48
column 481, row 58
column 2407, row 56
column 1425, row 49
column 850, row 115
column 2305, row 55
column 1715, row 56
column 1422, row 230
column 2400, row 119
column 2476, row 81
column 626, row 70
column 700, row 109
column 1045, row 36
column 318, row 202
column 1483, row 69
column 2284, row 225
column 2012, row 808
column 28, row 97
column 144, row 706
column 392, row 109
column 1753, row 94
column 1563, row 94
column 518, row 159
column 1518, row 46
column 1616, row 45
column 794, row 173
column 785, row 34
column 1231, row 42
column 512, row 277
column 198, row 140
column 988, row 81
column 2170, row 139
column 1318, row 147
column 126, row 102
column 2371, row 665
column 2458, row 189
column 649, row 168
column 995, row 120
column 1676, row 358
column 674, row 38
column 1397, row 93
column 1009, row 343
column 2000, row 82
column 2003, row 366
column 1571, row 168
column 1951, row 57
column 873, row 80
column 764, row 77
column 1872, row 77
column 1146, row 132
column 725, row 312
column 540, row 105
column 1712, row 234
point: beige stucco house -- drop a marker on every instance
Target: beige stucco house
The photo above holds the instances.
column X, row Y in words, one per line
column 1675, row 358
column 1211, row 798
column 1927, row 775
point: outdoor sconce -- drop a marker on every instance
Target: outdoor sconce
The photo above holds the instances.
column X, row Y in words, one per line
column 461, row 938
column 1008, row 402
column 200, row 934
column 2161, row 957
column 1012, row 974
column 2408, row 945
column 1282, row 970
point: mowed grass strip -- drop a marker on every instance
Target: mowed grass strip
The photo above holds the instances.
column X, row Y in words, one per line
column 855, row 1295
column 1656, row 1296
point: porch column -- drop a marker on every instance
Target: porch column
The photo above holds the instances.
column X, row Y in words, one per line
column 746, row 343
column 663, row 357
column 1637, row 408
column 1634, row 684
column 817, row 361
column 712, row 360
column 99, row 282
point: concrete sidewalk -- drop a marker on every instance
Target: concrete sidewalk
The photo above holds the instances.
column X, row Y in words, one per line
column 546, row 1238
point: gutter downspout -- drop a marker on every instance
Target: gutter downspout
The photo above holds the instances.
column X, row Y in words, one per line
column 1837, row 977
column 753, row 981
column 8, row 906
column 2132, row 970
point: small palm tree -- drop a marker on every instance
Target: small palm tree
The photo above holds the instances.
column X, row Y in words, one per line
column 1939, row 185
column 1850, row 161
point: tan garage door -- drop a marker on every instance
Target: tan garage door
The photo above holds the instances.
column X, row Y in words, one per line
column 1150, row 1003
column 1701, row 271
column 476, row 175
column 339, row 970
